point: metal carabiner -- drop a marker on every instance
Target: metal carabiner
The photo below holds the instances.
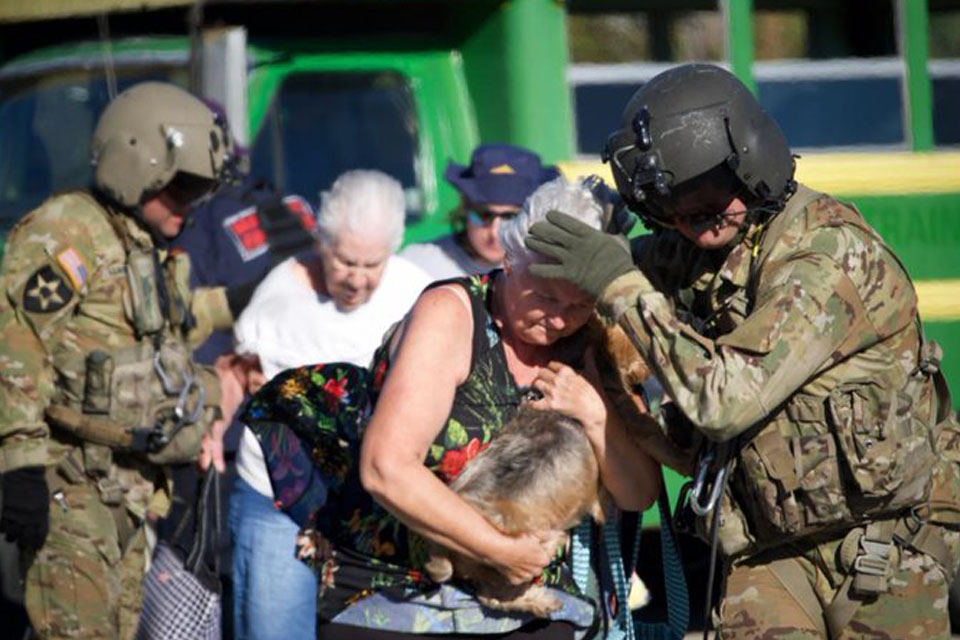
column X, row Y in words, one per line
column 716, row 486
column 179, row 410
column 168, row 387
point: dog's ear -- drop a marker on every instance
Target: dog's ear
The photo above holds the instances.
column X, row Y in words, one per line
column 596, row 511
column 624, row 357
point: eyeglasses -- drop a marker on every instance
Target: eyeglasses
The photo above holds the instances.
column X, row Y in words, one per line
column 693, row 220
column 697, row 219
column 485, row 217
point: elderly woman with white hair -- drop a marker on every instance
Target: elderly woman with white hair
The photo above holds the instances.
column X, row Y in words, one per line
column 447, row 380
column 331, row 305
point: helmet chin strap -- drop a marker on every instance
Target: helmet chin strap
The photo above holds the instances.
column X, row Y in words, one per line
column 135, row 212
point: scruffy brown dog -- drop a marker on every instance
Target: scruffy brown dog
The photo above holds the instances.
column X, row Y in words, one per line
column 539, row 474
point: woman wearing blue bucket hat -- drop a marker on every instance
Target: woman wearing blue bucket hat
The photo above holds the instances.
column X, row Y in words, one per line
column 492, row 189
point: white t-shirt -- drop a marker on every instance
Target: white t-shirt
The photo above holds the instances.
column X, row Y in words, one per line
column 444, row 258
column 288, row 324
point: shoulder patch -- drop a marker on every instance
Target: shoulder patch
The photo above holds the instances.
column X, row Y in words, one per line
column 244, row 230
column 72, row 264
column 45, row 291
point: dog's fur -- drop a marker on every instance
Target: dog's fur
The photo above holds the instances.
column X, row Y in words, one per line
column 539, row 474
column 622, row 372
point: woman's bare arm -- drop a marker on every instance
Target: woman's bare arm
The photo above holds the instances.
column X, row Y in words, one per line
column 433, row 359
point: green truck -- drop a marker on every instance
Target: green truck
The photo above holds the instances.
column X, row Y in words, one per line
column 392, row 95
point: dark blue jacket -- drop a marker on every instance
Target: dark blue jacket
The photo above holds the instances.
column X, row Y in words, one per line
column 227, row 247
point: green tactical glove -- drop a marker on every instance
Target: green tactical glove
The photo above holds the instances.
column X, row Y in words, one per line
column 586, row 257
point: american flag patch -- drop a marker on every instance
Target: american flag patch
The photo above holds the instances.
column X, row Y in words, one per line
column 72, row 264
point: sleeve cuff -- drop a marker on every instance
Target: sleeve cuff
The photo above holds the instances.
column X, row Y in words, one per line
column 25, row 453
column 211, row 309
column 621, row 294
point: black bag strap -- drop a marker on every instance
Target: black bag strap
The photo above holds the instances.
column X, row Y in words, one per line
column 207, row 533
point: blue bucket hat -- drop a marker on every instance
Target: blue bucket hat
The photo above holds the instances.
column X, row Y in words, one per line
column 500, row 174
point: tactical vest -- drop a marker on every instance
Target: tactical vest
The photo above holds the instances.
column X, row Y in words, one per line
column 821, row 464
column 147, row 397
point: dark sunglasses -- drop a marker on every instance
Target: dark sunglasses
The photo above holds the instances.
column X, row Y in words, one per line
column 484, row 218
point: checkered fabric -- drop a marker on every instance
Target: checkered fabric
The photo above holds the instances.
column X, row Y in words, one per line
column 175, row 605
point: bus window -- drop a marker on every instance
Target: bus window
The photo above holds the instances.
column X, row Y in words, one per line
column 598, row 107
column 819, row 104
column 946, row 104
column 945, row 76
column 828, row 74
column 322, row 124
column 614, row 52
column 835, row 103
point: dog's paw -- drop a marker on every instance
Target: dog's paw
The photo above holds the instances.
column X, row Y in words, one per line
column 543, row 604
column 639, row 594
column 439, row 568
column 535, row 600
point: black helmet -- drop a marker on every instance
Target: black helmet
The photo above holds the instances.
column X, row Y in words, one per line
column 691, row 121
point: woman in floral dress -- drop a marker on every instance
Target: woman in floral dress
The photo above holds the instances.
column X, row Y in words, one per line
column 448, row 378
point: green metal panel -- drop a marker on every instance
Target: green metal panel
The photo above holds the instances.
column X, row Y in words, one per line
column 924, row 230
column 515, row 58
column 738, row 18
column 914, row 48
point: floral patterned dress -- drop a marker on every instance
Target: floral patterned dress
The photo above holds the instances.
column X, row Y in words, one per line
column 310, row 422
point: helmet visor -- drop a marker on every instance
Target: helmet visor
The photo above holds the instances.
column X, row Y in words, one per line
column 188, row 190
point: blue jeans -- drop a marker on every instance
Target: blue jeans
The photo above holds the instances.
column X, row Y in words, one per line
column 275, row 595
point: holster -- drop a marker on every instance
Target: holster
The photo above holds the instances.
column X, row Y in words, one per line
column 101, row 435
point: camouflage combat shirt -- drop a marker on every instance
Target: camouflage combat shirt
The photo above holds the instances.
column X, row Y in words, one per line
column 807, row 302
column 65, row 293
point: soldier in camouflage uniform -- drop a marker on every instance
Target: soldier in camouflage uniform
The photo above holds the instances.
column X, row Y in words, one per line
column 97, row 386
column 786, row 333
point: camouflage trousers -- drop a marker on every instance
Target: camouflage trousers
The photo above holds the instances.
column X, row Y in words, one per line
column 758, row 602
column 87, row 580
